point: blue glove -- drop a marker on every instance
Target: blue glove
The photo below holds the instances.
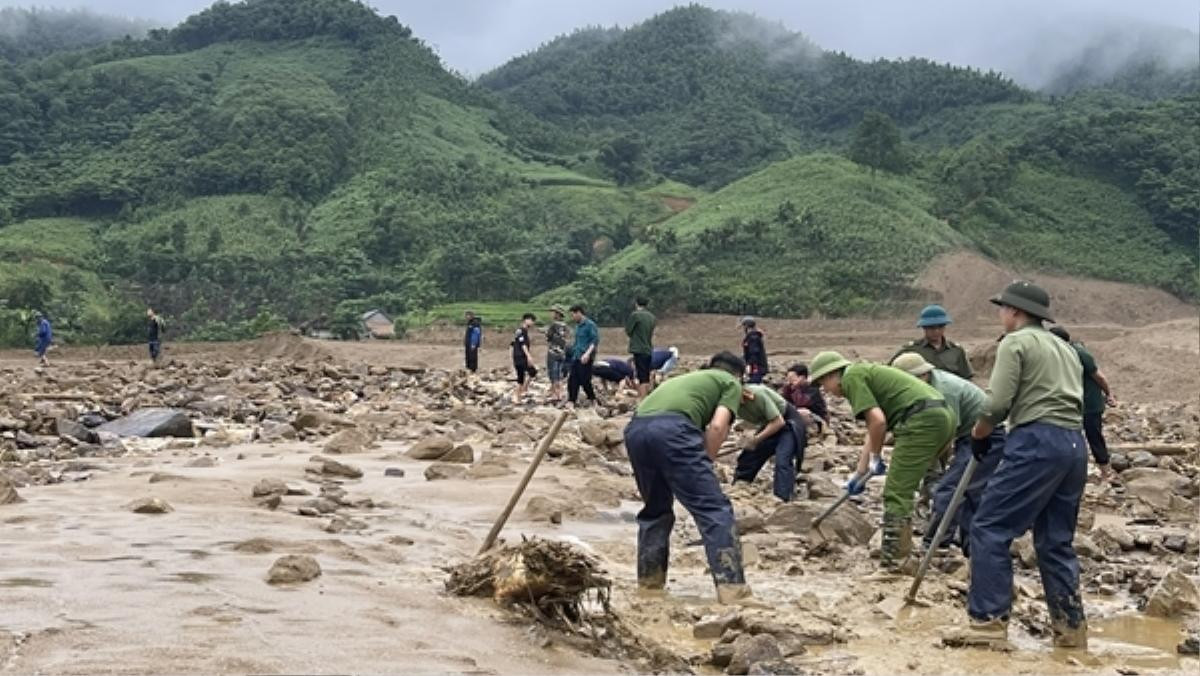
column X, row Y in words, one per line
column 980, row 447
column 880, row 467
column 857, row 485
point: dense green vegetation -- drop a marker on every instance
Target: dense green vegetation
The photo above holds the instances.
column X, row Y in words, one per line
column 37, row 32
column 274, row 162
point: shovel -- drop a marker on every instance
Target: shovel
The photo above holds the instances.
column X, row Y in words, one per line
column 943, row 526
column 816, row 523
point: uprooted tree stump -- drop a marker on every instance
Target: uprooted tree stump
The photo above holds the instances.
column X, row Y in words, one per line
column 562, row 588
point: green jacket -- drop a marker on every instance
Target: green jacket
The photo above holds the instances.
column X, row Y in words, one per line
column 1037, row 378
column 639, row 326
column 952, row 357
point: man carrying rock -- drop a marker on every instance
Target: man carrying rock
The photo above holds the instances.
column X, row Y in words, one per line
column 922, row 425
column 587, row 341
column 1096, row 394
column 754, row 350
column 640, row 329
column 557, row 335
column 781, row 434
column 1037, row 385
column 154, row 329
column 935, row 348
column 472, row 341
column 672, row 442
column 968, row 403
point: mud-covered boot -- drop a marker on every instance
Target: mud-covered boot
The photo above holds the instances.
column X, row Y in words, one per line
column 991, row 634
column 894, row 550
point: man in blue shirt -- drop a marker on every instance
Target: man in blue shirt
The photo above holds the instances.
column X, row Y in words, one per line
column 472, row 341
column 583, row 353
column 45, row 336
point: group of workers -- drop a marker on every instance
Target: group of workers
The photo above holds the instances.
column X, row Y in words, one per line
column 1023, row 434
column 573, row 356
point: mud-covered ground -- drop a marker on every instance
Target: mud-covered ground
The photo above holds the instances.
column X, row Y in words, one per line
column 386, row 466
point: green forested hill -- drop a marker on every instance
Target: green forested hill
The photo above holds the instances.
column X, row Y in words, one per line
column 298, row 161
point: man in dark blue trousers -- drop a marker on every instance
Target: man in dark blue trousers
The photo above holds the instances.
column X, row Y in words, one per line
column 672, row 442
column 1037, row 385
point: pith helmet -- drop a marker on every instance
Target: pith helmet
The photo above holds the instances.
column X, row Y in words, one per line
column 824, row 364
column 1029, row 298
column 933, row 315
column 912, row 363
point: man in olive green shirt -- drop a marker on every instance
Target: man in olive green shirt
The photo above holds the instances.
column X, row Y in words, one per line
column 640, row 329
column 921, row 423
column 672, row 442
column 934, row 347
column 1037, row 385
column 780, row 434
column 968, row 402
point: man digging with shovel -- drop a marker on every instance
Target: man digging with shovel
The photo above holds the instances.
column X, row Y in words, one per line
column 921, row 424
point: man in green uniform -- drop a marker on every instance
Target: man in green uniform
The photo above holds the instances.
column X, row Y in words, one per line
column 921, row 424
column 1096, row 395
column 781, row 434
column 672, row 442
column 935, row 347
column 1037, row 385
column 640, row 329
column 968, row 402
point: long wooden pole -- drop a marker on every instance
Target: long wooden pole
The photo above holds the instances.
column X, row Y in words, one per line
column 516, row 496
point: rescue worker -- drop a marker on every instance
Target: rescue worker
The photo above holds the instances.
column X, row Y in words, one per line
column 662, row 362
column 1037, row 385
column 935, row 347
column 614, row 373
column 472, row 340
column 45, row 336
column 583, row 352
column 640, row 329
column 557, row 335
column 922, row 425
column 672, row 442
column 967, row 401
column 1096, row 395
column 154, row 330
column 754, row 351
column 781, row 434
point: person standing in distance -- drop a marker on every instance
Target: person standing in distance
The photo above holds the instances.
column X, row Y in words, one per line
column 472, row 341
column 640, row 329
column 1096, row 394
column 754, row 351
column 583, row 353
column 154, row 329
column 934, row 347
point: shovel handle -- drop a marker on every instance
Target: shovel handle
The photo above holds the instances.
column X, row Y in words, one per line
column 943, row 526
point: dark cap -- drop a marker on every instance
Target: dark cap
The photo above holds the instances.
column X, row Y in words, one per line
column 1026, row 297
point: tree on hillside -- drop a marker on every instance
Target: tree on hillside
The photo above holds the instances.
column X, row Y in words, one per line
column 876, row 144
column 624, row 158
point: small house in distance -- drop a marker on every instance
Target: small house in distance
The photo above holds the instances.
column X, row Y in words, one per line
column 376, row 324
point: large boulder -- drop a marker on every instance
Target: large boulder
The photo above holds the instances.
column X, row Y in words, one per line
column 750, row 650
column 1154, row 486
column 1174, row 595
column 462, row 453
column 846, row 523
column 151, row 422
column 431, row 448
column 349, row 440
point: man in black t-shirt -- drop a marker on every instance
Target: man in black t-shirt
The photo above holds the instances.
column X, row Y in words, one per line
column 522, row 360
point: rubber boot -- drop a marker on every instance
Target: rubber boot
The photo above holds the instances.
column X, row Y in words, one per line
column 895, row 551
column 1066, row 636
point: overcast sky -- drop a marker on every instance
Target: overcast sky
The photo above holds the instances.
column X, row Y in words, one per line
column 473, row 36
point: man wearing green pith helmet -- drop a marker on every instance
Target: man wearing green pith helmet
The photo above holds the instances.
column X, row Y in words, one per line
column 922, row 424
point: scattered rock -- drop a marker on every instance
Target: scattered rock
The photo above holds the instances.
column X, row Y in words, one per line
column 462, row 453
column 1087, row 548
column 595, row 433
column 151, row 422
column 393, row 472
column 271, row 502
column 1113, row 538
column 340, row 523
column 431, row 448
column 774, row 667
column 1189, row 646
column 161, row 477
column 268, row 487
column 75, row 430
column 335, row 468
column 150, row 506
column 1024, row 550
column 1142, row 459
column 272, row 431
column 317, row 507
column 444, row 470
column 1174, row 595
column 293, row 569
column 846, row 524
column 203, row 461
column 8, row 492
column 541, row 508
column 749, row 650
column 713, row 626
column 349, row 440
